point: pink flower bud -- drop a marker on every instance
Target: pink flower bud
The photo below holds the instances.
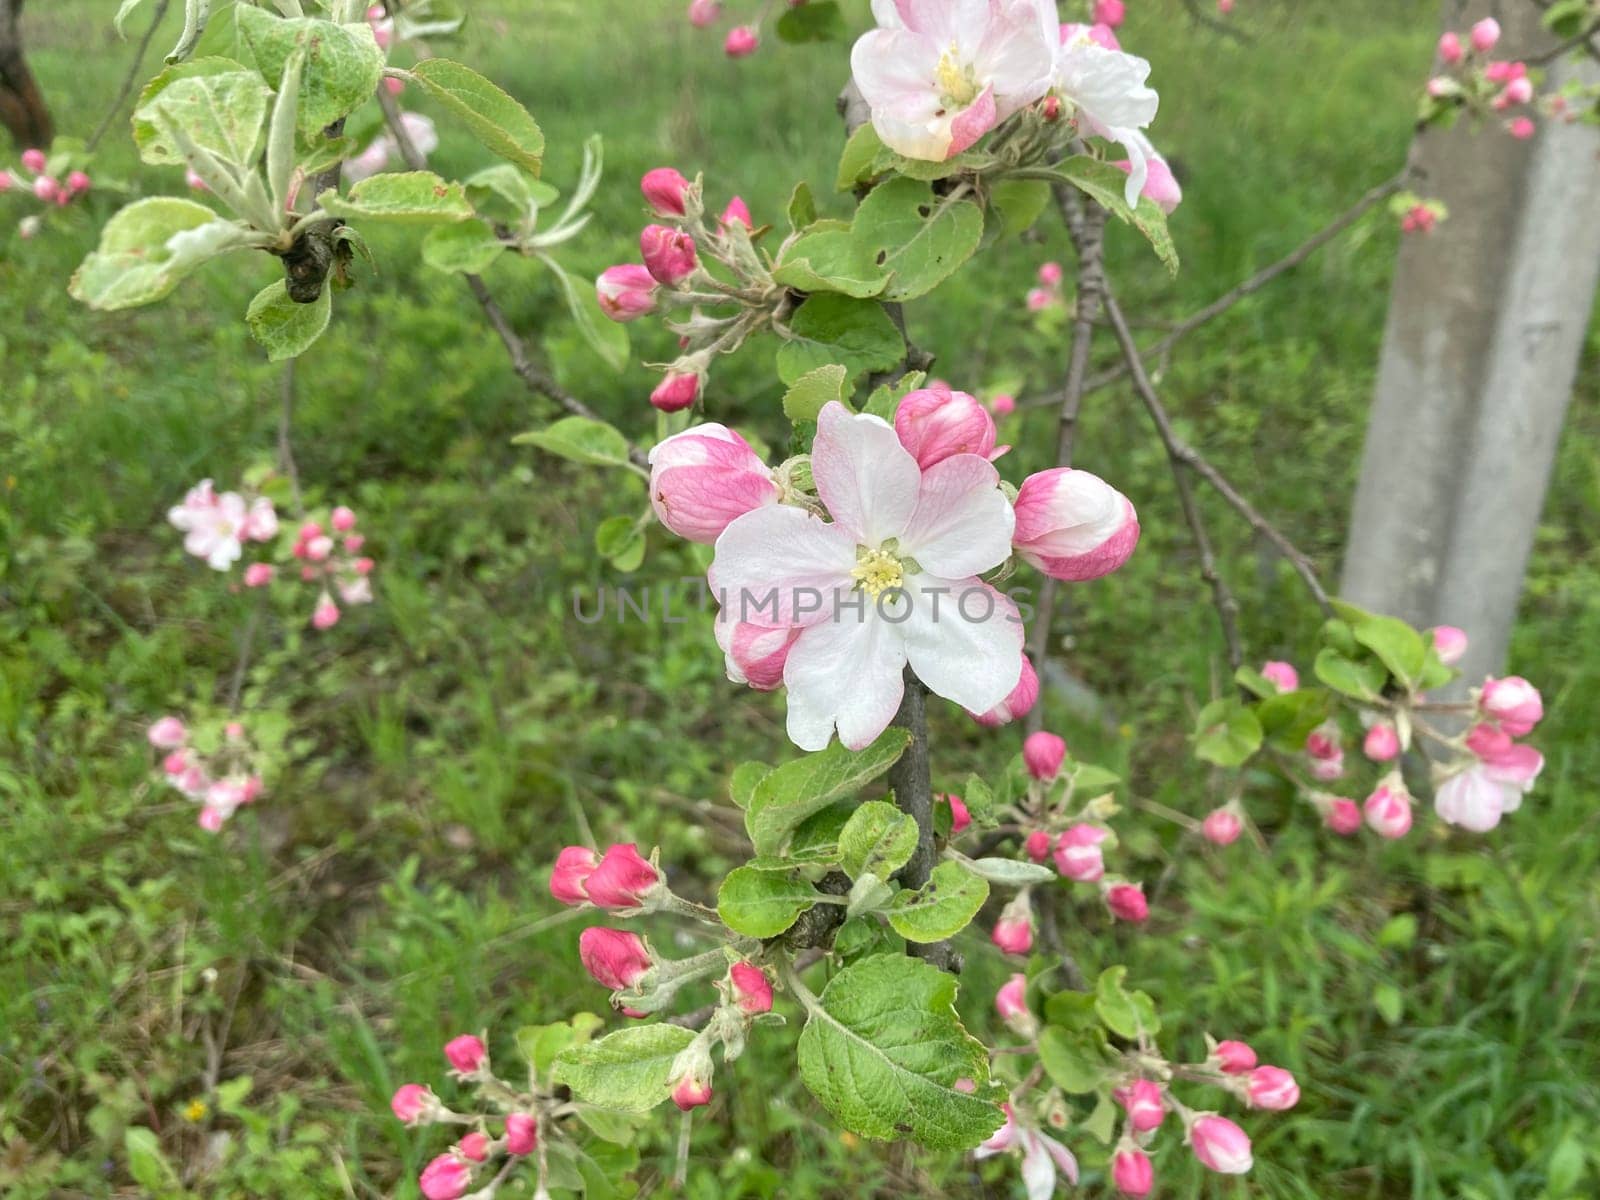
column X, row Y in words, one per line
column 1518, row 91
column 1109, row 12
column 212, row 819
column 1220, row 1145
column 1037, row 845
column 1050, row 109
column 167, row 733
column 1073, row 525
column 1441, row 86
column 363, row 566
column 664, row 190
column 1050, row 274
column 623, row 880
column 45, row 187
column 1010, row 1001
column 1322, row 743
column 1002, row 404
column 522, row 1133
column 1039, row 299
column 1142, row 1100
column 412, row 1102
column 466, row 1053
column 740, row 42
column 1222, row 826
column 343, row 520
column 691, row 1093
column 960, row 818
column 1160, row 184
column 1018, row 704
column 676, row 391
column 704, row 12
column 318, row 548
column 704, row 478
column 1233, row 1058
column 738, row 211
column 1127, row 903
column 573, row 865
column 311, row 529
column 473, row 1146
column 445, row 1178
column 1282, row 675
column 33, row 159
column 194, row 181
column 1013, row 932
column 1504, row 72
column 615, row 958
column 1382, row 742
column 1513, row 702
column 233, row 731
column 754, row 654
column 1273, row 1088
column 935, row 423
column 1224, row 7
column 1043, row 753
column 1342, row 816
column 353, row 543
column 669, row 254
column 1388, row 810
column 77, row 183
column 1130, row 1169
column 626, row 292
column 1485, row 34
column 259, row 574
column 326, row 614
column 175, row 763
column 1450, row 49
column 1078, row 853
column 750, row 988
column 1521, row 128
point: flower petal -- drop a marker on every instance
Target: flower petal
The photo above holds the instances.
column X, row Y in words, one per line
column 1038, row 1169
column 780, row 565
column 963, row 522
column 849, row 673
column 864, row 475
column 963, row 638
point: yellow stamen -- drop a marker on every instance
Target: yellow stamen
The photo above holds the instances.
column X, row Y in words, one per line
column 876, row 571
column 957, row 85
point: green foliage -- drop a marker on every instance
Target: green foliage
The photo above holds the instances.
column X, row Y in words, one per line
column 342, row 62
column 629, row 1070
column 487, row 110
column 285, row 327
column 940, row 908
column 580, row 440
column 762, row 902
column 410, row 196
column 830, row 328
column 789, row 794
column 148, row 247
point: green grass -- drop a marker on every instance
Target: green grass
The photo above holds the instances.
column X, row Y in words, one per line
column 1436, row 998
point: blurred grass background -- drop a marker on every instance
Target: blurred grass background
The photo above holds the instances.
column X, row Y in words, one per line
column 1436, row 998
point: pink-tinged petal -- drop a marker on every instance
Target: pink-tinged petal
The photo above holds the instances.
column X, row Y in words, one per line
column 779, row 566
column 894, row 71
column 972, row 122
column 1106, row 558
column 964, row 640
column 845, row 673
column 1004, row 1138
column 1038, row 1168
column 755, row 654
column 1516, row 766
column 864, row 475
column 963, row 522
column 1472, row 800
column 1064, row 1160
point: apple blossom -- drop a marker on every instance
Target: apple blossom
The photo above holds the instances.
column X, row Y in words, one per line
column 1142, row 1101
column 326, row 613
column 1224, row 7
column 1476, row 796
column 960, row 818
column 704, row 478
column 1010, row 1001
column 1282, row 675
column 1040, row 299
column 33, row 159
column 737, row 210
column 1002, row 404
column 1220, row 1145
column 573, row 866
column 1160, row 184
column 623, row 880
column 1131, row 1172
column 1127, row 903
column 1513, row 702
column 412, row 1102
column 1109, row 12
column 1013, row 932
column 891, row 580
column 1521, row 128
column 936, row 75
column 473, row 1146
column 1222, row 826
column 1388, row 809
column 1341, row 815
column 1050, row 274
column 1043, row 753
column 1043, row 1158
column 45, row 188
column 704, row 12
column 1018, row 704
column 1485, row 34
column 259, row 574
column 1099, row 33
column 668, row 253
column 750, row 988
column 167, row 733
column 1072, row 525
column 676, row 391
column 666, row 191
column 1504, row 71
column 466, row 1053
column 1233, row 1057
column 1108, row 89
column 615, row 958
column 1078, row 853
column 754, row 654
column 1382, row 742
column 1450, row 48
column 522, row 1133
column 742, row 41
column 211, row 819
column 1037, row 845
column 445, row 1178
column 690, row 1093
column 78, row 182
column 1325, row 752
column 1272, row 1088
column 935, row 423
column 215, row 527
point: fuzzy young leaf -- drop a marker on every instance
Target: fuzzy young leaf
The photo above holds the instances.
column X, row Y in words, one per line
column 220, row 104
column 791, row 793
column 470, row 247
column 407, row 196
column 608, row 339
column 1010, row 872
column 147, row 247
column 195, row 15
column 581, row 440
column 493, row 116
column 940, row 908
column 742, row 783
column 812, row 391
column 342, row 68
column 878, row 839
column 831, row 260
column 1076, row 1062
column 1127, row 1014
column 287, row 328
column 829, row 328
column 1226, row 733
column 541, row 1044
column 915, row 237
column 760, row 903
column 630, row 1069
column 884, row 1050
column 818, row 21
column 1105, row 184
column 1360, row 680
column 802, row 207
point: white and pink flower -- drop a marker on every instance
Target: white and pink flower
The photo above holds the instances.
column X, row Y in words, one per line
column 704, row 478
column 1073, row 525
column 1043, row 1158
column 1108, row 89
column 215, row 527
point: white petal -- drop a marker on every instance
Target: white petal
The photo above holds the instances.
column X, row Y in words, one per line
column 896, row 72
column 1064, row 1160
column 963, row 522
column 1038, row 1171
column 779, row 565
column 964, row 640
column 847, row 672
column 868, row 480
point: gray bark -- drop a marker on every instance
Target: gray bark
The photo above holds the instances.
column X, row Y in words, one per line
column 1486, row 324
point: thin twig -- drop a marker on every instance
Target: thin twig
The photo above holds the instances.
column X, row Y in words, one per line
column 911, row 782
column 247, row 642
column 1590, row 39
column 129, row 79
column 1216, row 24
column 286, row 462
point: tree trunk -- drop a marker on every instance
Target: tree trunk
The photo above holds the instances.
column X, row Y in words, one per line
column 22, row 108
column 1486, row 323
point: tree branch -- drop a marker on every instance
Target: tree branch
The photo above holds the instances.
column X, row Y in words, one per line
column 912, row 785
column 128, row 80
column 1216, row 24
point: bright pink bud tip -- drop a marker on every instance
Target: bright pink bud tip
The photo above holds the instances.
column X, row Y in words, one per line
column 1043, row 753
column 522, row 1133
column 1273, row 1088
column 615, row 958
column 1109, row 12
column 960, row 818
column 691, row 1093
column 1040, row 299
column 1014, row 935
column 1220, row 1145
column 1224, row 7
column 7, row 182
column 411, row 1102
column 1050, row 274
column 33, row 159
column 1010, row 1001
column 1002, row 404
column 704, row 12
column 1485, row 34
column 626, row 292
column 1513, row 702
column 1078, row 853
column 342, row 519
column 740, row 42
column 1450, row 48
column 1018, row 704
column 326, row 613
column 664, row 190
column 1343, row 816
column 1281, row 675
column 445, row 1178
column 1127, row 903
column 167, row 733
column 751, row 989
column 1521, row 128
column 259, row 574
column 669, row 254
column 1038, row 845
column 466, row 1053
column 573, row 866
column 676, row 391
column 176, row 763
column 623, row 879
column 1222, row 826
column 1234, row 1058
column 1388, row 811
column 393, row 85
column 1382, row 742
column 704, row 478
column 1142, row 1100
column 45, row 188
column 211, row 819
column 1130, row 1169
column 77, row 183
column 935, row 423
column 474, row 1146
column 738, row 211
column 1073, row 525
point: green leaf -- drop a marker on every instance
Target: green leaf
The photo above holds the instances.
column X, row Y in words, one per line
column 1107, row 184
column 878, row 839
column 608, row 338
column 1389, row 1002
column 470, row 247
column 1400, row 648
column 124, row 11
column 1086, row 777
column 621, row 540
column 220, row 104
column 342, row 68
column 147, row 247
column 812, row 391
column 629, row 1070
column 1076, row 1062
column 857, row 160
column 916, row 237
column 1254, row 682
column 429, row 19
column 1125, row 1013
column 1361, row 680
column 521, row 194
column 147, row 1164
column 281, row 140
column 1072, row 1011
column 979, row 799
column 829, row 328
column 1226, row 733
column 1011, row 872
column 285, row 327
column 580, row 440
column 830, row 260
column 791, row 793
column 409, row 196
column 1287, row 718
column 744, row 780
column 1398, row 932
column 818, row 21
column 541, row 1044
column 493, row 116
column 940, row 908
column 1018, row 203
column 195, row 15
column 802, row 208
column 762, row 904
column 884, row 1051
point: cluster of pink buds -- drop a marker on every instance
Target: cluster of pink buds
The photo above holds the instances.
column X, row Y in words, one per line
column 508, row 1124
column 675, row 275
column 220, row 778
column 216, row 525
column 741, row 40
column 1483, row 85
column 51, row 184
column 619, row 881
column 1417, row 215
column 1493, row 771
column 1048, row 292
column 330, row 557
